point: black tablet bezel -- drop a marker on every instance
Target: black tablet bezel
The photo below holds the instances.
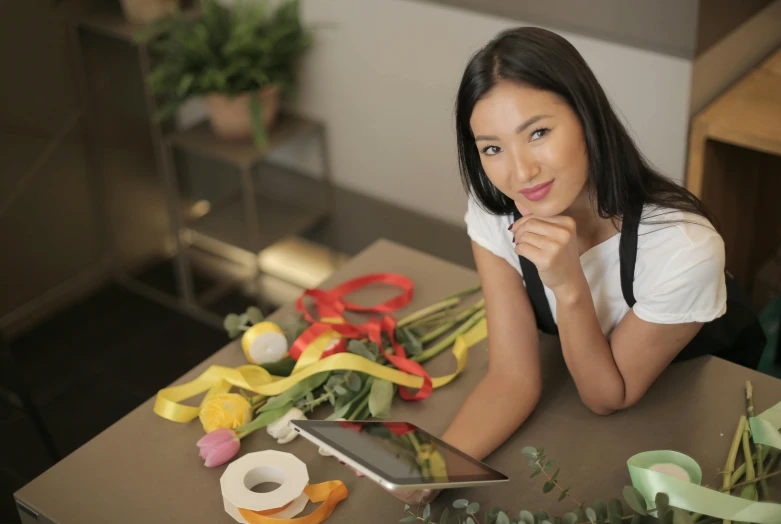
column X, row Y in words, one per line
column 491, row 475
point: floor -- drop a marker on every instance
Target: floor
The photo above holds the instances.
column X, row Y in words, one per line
column 92, row 363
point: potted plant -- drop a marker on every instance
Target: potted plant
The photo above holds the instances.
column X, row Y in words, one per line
column 242, row 59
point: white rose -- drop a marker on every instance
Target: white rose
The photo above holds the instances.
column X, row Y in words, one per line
column 282, row 430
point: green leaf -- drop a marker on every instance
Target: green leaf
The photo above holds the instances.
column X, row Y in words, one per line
column 556, row 475
column 682, row 517
column 406, row 507
column 581, row 513
column 354, row 381
column 662, row 504
column 243, row 318
column 296, row 392
column 547, row 487
column 637, row 519
column 540, row 450
column 340, row 390
column 541, row 515
column 545, row 522
column 445, row 515
column 502, row 518
column 600, row 508
column 380, row 398
column 258, row 126
column 473, row 508
column 427, row 511
column 255, row 315
column 533, row 464
column 282, row 368
column 529, row 452
column 550, row 464
column 592, row 515
column 526, row 517
column 411, row 518
column 470, row 520
column 570, row 518
column 460, row 503
column 535, row 473
column 231, row 322
column 359, row 348
column 563, row 494
column 635, row 500
column 615, row 511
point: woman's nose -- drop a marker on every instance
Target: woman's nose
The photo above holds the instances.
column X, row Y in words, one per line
column 525, row 166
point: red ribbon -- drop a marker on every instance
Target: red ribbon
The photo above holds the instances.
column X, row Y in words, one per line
column 331, row 304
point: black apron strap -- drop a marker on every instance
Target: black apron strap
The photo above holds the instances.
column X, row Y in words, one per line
column 627, row 254
column 536, row 292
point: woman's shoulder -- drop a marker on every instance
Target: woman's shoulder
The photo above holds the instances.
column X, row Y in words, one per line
column 670, row 230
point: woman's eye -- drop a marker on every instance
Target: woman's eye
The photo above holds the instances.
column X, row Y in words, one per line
column 490, row 150
column 539, row 133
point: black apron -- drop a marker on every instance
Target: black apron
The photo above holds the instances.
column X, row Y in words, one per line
column 736, row 336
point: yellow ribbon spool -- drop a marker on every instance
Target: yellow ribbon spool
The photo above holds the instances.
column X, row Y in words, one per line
column 219, row 379
column 264, row 343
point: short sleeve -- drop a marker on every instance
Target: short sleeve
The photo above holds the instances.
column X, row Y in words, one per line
column 490, row 232
column 684, row 279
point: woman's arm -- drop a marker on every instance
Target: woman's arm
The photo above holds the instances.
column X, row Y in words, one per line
column 609, row 375
column 616, row 374
column 511, row 388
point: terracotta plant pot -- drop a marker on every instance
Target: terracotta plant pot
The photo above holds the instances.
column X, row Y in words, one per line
column 230, row 116
column 145, row 11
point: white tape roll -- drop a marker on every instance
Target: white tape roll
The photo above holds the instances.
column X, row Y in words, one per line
column 265, row 466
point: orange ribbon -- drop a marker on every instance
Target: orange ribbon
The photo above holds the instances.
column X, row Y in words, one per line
column 329, row 493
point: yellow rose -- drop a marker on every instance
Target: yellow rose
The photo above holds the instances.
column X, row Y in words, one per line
column 226, row 410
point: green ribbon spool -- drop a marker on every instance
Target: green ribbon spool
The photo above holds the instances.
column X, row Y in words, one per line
column 691, row 496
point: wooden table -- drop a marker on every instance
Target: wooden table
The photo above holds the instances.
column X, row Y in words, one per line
column 146, row 469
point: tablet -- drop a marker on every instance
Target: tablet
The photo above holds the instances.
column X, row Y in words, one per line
column 398, row 455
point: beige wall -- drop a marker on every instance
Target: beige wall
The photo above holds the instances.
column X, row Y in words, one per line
column 384, row 76
column 734, row 55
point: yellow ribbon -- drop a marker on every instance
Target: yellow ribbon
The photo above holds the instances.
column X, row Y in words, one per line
column 219, row 379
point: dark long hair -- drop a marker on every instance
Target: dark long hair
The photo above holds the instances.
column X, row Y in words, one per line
column 619, row 176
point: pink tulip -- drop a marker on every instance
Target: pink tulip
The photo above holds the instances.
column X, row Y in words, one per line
column 218, row 447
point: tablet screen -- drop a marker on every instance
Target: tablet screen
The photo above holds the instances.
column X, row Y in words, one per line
column 400, row 452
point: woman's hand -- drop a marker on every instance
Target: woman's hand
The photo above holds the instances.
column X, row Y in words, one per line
column 550, row 243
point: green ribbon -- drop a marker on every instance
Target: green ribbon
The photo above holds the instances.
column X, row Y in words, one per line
column 690, row 496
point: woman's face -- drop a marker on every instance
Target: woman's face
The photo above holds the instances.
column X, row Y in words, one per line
column 531, row 147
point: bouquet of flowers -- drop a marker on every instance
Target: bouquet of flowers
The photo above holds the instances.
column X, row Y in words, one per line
column 348, row 394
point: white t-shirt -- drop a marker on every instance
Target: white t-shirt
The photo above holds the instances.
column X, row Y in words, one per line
column 679, row 274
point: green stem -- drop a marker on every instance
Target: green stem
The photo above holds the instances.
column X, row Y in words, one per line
column 362, row 398
column 750, row 473
column 447, row 342
column 425, row 312
column 763, row 488
column 729, row 468
column 428, row 337
column 467, row 291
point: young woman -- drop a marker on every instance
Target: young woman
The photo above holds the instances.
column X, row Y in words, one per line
column 574, row 233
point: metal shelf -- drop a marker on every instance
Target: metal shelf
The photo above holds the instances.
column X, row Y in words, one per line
column 200, row 140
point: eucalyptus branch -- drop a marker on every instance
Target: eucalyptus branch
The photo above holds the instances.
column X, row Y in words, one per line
column 553, row 481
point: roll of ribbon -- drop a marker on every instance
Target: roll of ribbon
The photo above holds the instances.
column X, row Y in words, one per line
column 283, row 503
column 264, row 343
column 649, row 479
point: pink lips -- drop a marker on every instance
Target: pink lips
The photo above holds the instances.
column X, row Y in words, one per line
column 537, row 192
